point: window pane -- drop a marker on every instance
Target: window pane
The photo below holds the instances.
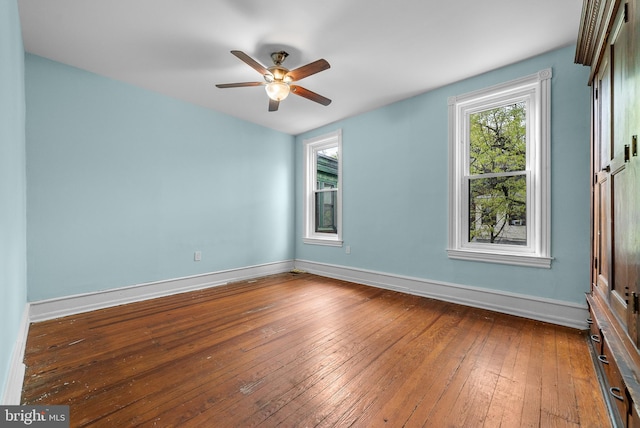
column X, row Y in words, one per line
column 498, row 210
column 326, row 212
column 497, row 139
column 327, row 168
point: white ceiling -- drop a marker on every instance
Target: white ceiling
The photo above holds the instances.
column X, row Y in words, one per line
column 380, row 51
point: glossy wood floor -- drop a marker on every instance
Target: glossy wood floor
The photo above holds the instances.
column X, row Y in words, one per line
column 297, row 350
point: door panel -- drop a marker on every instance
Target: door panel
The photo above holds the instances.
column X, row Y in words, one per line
column 602, row 233
column 620, row 287
column 603, row 129
column 601, row 165
column 624, row 180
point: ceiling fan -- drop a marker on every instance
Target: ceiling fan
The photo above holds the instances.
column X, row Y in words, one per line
column 278, row 79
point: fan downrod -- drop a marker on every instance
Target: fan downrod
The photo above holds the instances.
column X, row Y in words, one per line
column 279, row 57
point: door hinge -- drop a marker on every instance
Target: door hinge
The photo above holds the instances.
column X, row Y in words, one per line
column 595, row 93
column 627, row 151
column 635, row 302
column 595, row 263
column 626, row 12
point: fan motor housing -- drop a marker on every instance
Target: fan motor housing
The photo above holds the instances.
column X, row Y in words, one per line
column 278, row 73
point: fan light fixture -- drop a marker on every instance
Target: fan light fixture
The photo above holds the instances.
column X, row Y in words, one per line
column 278, row 79
column 277, row 90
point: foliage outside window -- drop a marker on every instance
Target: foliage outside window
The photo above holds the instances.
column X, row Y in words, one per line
column 499, row 173
column 323, row 189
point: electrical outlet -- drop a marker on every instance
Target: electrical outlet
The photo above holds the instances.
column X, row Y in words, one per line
column 347, row 249
column 197, row 256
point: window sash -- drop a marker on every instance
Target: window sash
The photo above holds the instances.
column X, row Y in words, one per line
column 326, row 213
column 526, row 96
column 466, row 220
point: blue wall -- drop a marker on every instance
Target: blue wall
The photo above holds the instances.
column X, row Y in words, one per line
column 125, row 184
column 13, row 220
column 395, row 188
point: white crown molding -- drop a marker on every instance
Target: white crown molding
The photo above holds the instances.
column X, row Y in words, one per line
column 70, row 305
column 559, row 312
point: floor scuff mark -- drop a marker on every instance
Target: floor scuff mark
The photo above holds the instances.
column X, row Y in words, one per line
column 249, row 387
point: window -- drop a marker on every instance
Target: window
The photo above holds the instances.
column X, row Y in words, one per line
column 323, row 189
column 499, row 197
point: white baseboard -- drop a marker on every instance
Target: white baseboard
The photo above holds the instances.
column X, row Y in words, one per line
column 13, row 387
column 69, row 305
column 548, row 310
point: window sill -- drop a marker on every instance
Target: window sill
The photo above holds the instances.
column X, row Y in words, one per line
column 323, row 241
column 509, row 259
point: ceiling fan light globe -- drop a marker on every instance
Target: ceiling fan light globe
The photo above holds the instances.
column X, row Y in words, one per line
column 277, row 91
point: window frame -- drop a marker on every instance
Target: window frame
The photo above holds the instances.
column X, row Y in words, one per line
column 311, row 147
column 535, row 90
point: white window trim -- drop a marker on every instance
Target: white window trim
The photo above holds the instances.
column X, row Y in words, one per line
column 536, row 88
column 311, row 147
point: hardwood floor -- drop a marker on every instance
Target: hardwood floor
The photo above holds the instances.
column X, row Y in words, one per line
column 298, row 350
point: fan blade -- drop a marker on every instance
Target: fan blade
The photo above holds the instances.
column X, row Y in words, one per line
column 251, row 62
column 309, row 69
column 273, row 105
column 239, row 85
column 310, row 95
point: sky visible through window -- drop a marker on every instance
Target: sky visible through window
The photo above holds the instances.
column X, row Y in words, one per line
column 331, row 152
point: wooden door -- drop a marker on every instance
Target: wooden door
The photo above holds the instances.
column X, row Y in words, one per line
column 632, row 90
column 624, row 185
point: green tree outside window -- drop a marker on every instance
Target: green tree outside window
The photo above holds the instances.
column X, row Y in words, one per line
column 497, row 175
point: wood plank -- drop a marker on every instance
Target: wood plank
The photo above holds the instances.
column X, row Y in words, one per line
column 242, row 352
column 533, row 381
column 288, row 362
column 549, row 385
column 481, row 388
column 302, row 350
column 473, row 378
column 432, row 349
column 568, row 406
column 587, row 389
column 388, row 374
column 330, row 365
column 170, row 348
column 355, row 377
column 507, row 403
